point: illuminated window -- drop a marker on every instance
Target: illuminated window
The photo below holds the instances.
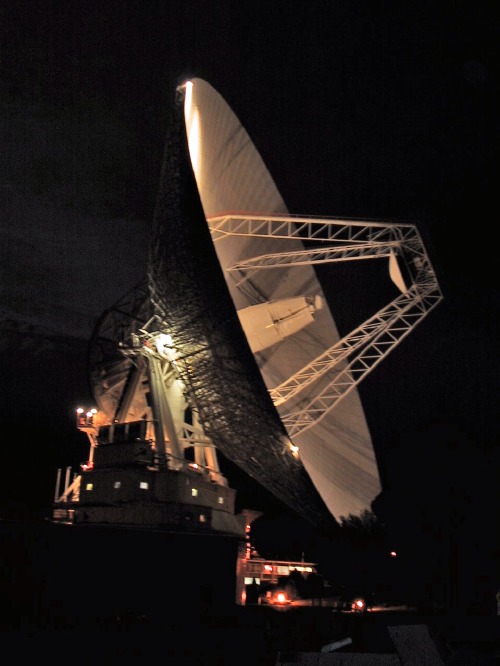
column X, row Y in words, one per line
column 249, row 580
column 143, row 485
column 117, row 484
column 202, row 518
column 300, row 568
column 221, row 500
column 89, row 486
column 194, row 492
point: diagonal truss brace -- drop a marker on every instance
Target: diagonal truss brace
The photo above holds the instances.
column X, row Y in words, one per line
column 351, row 359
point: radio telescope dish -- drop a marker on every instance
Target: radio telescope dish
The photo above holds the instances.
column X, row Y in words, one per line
column 232, row 179
column 247, row 341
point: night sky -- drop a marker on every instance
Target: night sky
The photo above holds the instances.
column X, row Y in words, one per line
column 359, row 109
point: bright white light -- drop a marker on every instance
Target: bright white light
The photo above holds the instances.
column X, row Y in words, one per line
column 192, row 126
column 189, row 96
column 194, row 140
column 164, row 345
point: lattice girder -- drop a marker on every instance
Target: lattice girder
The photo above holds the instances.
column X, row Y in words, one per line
column 351, row 359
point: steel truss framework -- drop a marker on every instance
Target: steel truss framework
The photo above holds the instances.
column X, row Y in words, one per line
column 326, row 241
column 125, row 367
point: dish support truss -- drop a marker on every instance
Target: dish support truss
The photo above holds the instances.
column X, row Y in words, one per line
column 325, row 241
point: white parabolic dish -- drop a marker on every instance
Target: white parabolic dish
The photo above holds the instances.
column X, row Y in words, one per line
column 337, row 452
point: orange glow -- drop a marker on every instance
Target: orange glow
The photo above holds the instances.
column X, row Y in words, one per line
column 281, row 597
column 358, row 605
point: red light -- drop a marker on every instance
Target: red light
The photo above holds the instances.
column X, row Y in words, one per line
column 358, row 605
column 393, row 553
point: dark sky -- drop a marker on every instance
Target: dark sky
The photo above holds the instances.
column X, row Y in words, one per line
column 360, row 109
